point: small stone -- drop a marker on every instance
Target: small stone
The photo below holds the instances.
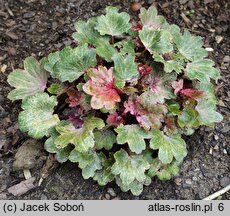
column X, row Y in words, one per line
column 200, row 176
column 225, row 129
column 216, row 147
column 111, row 192
column 218, row 29
column 211, row 30
column 12, row 35
column 28, row 15
column 27, row 154
column 225, row 151
column 54, row 25
column 191, row 4
column 208, row 1
column 24, row 21
column 3, row 68
column 107, row 196
column 165, row 5
column 194, row 178
column 178, row 181
column 209, row 49
column 226, row 59
column 218, row 38
column 183, row 1
column 225, row 181
column 188, row 181
column 216, row 137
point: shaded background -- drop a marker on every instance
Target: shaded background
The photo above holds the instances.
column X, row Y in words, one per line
column 37, row 27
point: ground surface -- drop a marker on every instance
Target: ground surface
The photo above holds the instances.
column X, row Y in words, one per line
column 37, row 27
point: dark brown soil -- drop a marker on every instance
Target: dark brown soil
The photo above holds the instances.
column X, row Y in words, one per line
column 37, row 27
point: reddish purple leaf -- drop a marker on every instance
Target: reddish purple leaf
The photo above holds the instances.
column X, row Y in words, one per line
column 75, row 97
column 136, row 26
column 144, row 69
column 146, row 119
column 101, row 87
column 138, row 42
column 157, row 88
column 76, row 120
column 170, row 125
column 192, row 93
column 177, row 85
column 115, row 119
column 74, row 115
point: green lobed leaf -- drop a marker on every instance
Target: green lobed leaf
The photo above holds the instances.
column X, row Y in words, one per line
column 190, row 46
column 37, row 115
column 129, row 168
column 150, row 19
column 71, row 63
column 52, row 59
column 173, row 29
column 135, row 187
column 174, row 107
column 104, row 139
column 125, row 69
column 104, row 49
column 159, row 42
column 208, row 89
column 202, row 70
column 29, row 81
column 207, row 113
column 86, row 32
column 169, row 146
column 134, row 135
column 56, row 89
column 113, row 23
column 88, row 162
column 176, row 65
column 187, row 131
column 82, row 138
column 188, row 118
column 104, row 175
column 62, row 155
column 126, row 47
column 162, row 171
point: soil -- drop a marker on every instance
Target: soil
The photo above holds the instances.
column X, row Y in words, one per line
column 37, row 27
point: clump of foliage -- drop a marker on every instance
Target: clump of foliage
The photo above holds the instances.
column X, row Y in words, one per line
column 119, row 103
